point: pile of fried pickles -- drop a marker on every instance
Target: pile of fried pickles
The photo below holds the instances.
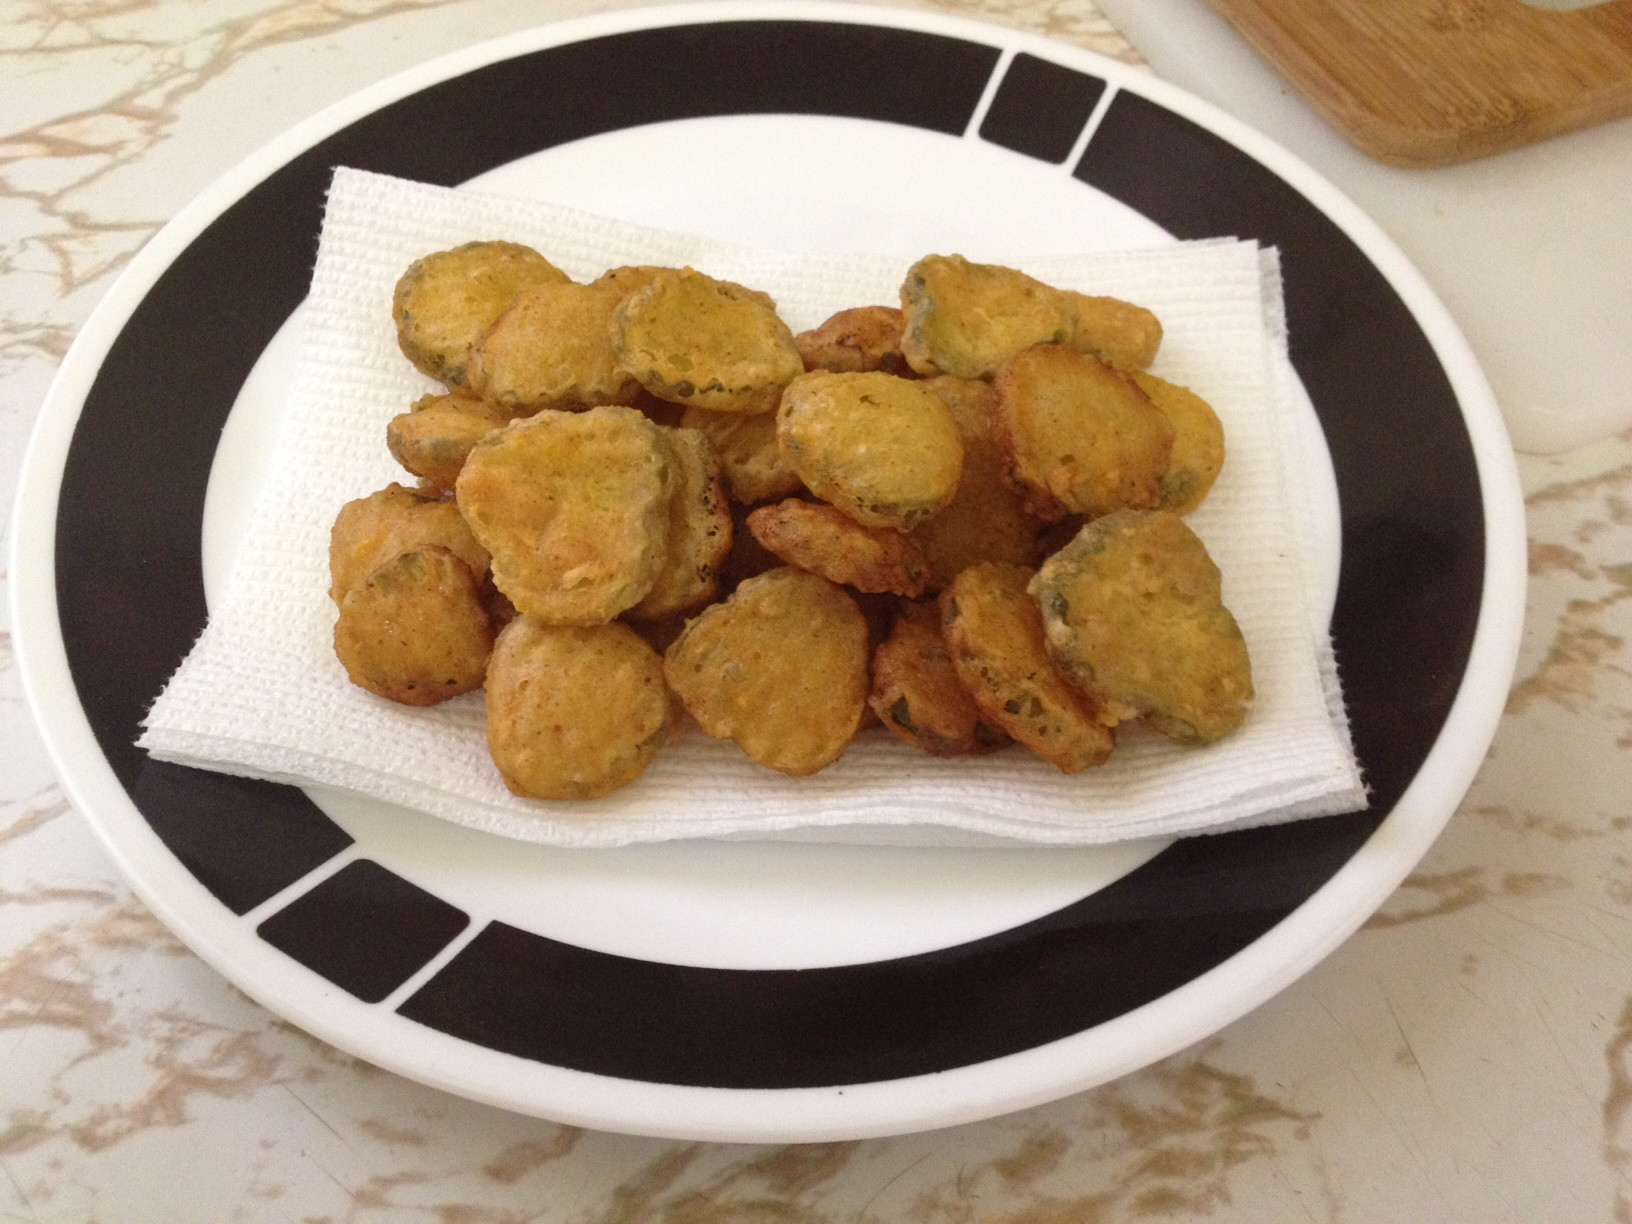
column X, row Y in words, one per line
column 643, row 495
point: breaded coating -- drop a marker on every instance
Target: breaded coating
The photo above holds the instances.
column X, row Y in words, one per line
column 994, row 634
column 414, row 630
column 780, row 667
column 1081, row 437
column 574, row 712
column 552, row 348
column 884, row 450
column 372, row 530
column 699, row 530
column 967, row 319
column 433, row 437
column 754, row 467
column 917, row 694
column 1133, row 614
column 856, row 341
column 820, row 539
column 574, row 508
column 693, row 340
column 446, row 301
column 986, row 519
column 1198, row 443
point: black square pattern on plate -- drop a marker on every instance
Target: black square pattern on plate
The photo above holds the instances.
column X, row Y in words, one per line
column 365, row 929
column 1040, row 108
column 243, row 839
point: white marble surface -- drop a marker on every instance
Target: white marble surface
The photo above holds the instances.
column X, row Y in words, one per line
column 1467, row 1057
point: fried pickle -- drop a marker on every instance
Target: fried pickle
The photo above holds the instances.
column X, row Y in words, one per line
column 1081, row 437
column 754, row 467
column 574, row 712
column 693, row 340
column 699, row 530
column 552, row 348
column 780, row 667
column 574, row 508
column 994, row 633
column 446, row 301
column 967, row 319
column 372, row 530
column 917, row 694
column 433, row 437
column 820, row 539
column 986, row 519
column 856, row 341
column 882, row 449
column 1198, row 443
column 1133, row 614
column 414, row 629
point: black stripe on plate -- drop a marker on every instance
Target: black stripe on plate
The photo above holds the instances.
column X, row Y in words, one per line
column 1040, row 108
column 1412, row 516
column 365, row 929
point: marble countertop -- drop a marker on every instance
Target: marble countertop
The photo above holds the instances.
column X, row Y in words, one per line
column 1466, row 1057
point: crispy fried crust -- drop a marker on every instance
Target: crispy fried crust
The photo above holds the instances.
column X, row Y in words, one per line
column 986, row 519
column 882, row 449
column 745, row 445
column 994, row 634
column 372, row 530
column 574, row 712
column 1198, row 443
column 967, row 319
column 414, row 629
column 1133, row 614
column 433, row 437
column 1081, row 437
column 699, row 530
column 917, row 694
column 574, row 508
column 693, row 340
column 446, row 301
column 780, row 667
column 552, row 348
column 823, row 540
column 856, row 341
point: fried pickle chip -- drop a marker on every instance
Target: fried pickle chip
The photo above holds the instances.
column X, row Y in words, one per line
column 856, row 341
column 1081, row 437
column 446, row 301
column 994, row 634
column 372, row 530
column 753, row 463
column 433, row 437
column 1133, row 614
column 699, row 530
column 967, row 319
column 414, row 629
column 574, row 712
column 917, row 694
column 986, row 519
column 882, row 449
column 780, row 667
column 574, row 508
column 552, row 348
column 821, row 539
column 1198, row 443
column 693, row 340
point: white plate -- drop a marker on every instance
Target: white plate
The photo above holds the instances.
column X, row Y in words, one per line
column 734, row 991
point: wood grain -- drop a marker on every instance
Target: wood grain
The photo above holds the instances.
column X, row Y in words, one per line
column 1431, row 82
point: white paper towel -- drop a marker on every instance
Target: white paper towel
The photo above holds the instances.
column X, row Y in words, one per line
column 261, row 693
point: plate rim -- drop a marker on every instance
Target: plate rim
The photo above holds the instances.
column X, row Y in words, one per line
column 1195, row 1010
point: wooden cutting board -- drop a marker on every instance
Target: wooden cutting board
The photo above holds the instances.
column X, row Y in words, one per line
column 1430, row 82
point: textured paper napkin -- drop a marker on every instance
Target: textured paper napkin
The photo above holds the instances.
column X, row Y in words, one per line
column 261, row 693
